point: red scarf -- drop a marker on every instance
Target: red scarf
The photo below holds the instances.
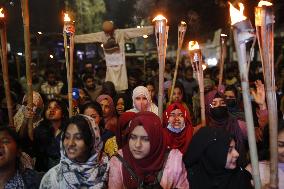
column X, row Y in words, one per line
column 148, row 167
column 122, row 129
column 178, row 140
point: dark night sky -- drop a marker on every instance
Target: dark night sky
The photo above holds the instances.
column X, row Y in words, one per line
column 45, row 15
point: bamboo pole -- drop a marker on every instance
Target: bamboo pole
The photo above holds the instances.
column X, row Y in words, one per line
column 222, row 58
column 5, row 71
column 26, row 22
column 196, row 62
column 161, row 31
column 181, row 33
column 69, row 29
column 264, row 21
column 243, row 32
column 70, row 82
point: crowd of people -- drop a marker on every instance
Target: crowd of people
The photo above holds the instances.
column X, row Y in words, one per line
column 115, row 139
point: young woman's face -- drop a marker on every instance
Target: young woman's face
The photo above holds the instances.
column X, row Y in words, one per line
column 105, row 107
column 74, row 144
column 141, row 103
column 232, row 156
column 93, row 114
column 120, row 106
column 176, row 118
column 177, row 95
column 8, row 150
column 281, row 147
column 139, row 143
column 53, row 111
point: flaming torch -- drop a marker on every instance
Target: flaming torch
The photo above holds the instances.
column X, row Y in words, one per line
column 222, row 57
column 181, row 33
column 243, row 33
column 69, row 30
column 264, row 20
column 161, row 33
column 4, row 62
column 196, row 62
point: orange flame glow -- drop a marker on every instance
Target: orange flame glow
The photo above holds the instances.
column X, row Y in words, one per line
column 2, row 15
column 66, row 18
column 159, row 17
column 264, row 3
column 237, row 15
column 193, row 45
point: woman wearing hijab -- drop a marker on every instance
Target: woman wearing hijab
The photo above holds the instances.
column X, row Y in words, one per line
column 107, row 105
column 177, row 126
column 211, row 161
column 145, row 161
column 26, row 132
column 218, row 115
column 82, row 164
column 120, row 139
column 142, row 101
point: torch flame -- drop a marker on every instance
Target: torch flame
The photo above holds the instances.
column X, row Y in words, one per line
column 159, row 17
column 264, row 3
column 193, row 45
column 237, row 15
column 66, row 18
column 2, row 15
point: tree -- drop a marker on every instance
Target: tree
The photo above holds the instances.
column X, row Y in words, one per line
column 88, row 15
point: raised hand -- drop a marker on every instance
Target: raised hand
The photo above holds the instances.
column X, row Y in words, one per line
column 259, row 94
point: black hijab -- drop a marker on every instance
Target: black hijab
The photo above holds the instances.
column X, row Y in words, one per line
column 205, row 161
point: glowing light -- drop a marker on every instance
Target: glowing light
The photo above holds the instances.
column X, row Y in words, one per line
column 183, row 23
column 211, row 61
column 145, row 36
column 193, row 45
column 237, row 15
column 51, row 56
column 2, row 15
column 159, row 18
column 66, row 18
column 223, row 35
column 20, row 54
column 264, row 3
column 39, row 32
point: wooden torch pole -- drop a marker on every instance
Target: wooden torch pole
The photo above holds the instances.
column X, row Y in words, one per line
column 264, row 21
column 243, row 33
column 5, row 71
column 161, row 31
column 26, row 22
column 181, row 33
column 196, row 62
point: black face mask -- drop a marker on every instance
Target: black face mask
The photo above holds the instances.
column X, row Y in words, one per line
column 219, row 113
column 231, row 103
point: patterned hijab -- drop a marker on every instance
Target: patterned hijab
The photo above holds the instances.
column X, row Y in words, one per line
column 111, row 104
column 147, row 167
column 178, row 140
column 90, row 174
